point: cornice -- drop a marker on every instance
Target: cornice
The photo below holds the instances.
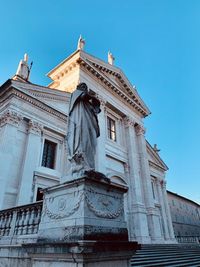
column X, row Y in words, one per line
column 13, row 92
column 48, row 96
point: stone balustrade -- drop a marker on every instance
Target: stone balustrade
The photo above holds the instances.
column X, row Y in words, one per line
column 21, row 220
column 188, row 239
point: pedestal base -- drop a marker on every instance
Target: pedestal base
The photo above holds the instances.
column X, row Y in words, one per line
column 81, row 254
column 83, row 209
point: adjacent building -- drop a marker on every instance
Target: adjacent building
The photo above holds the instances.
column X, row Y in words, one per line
column 185, row 217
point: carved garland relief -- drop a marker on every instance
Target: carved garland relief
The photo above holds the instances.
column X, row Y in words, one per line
column 109, row 207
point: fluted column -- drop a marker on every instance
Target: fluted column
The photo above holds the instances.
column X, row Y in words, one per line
column 100, row 161
column 31, row 162
column 167, row 210
column 137, row 217
column 153, row 218
column 9, row 123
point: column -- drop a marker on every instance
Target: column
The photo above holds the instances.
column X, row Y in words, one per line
column 100, row 162
column 9, row 123
column 153, row 217
column 31, row 162
column 137, row 215
column 163, row 211
column 167, row 210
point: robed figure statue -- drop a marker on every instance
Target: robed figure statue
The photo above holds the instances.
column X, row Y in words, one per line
column 82, row 131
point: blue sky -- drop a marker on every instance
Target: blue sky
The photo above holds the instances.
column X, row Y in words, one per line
column 155, row 42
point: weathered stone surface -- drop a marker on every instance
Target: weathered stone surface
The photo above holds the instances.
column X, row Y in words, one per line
column 83, row 209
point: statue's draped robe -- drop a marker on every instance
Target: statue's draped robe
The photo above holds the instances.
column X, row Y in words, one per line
column 83, row 129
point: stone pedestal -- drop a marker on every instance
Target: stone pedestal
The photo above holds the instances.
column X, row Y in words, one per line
column 83, row 221
column 81, row 254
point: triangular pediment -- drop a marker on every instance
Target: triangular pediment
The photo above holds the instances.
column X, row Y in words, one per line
column 154, row 158
column 111, row 76
column 118, row 80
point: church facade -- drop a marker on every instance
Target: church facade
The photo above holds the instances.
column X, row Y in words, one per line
column 33, row 154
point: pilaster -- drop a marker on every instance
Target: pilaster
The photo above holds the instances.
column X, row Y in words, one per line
column 137, row 217
column 153, row 218
column 167, row 210
column 9, row 123
column 163, row 211
column 31, row 161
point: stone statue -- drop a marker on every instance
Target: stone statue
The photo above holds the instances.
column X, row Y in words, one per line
column 82, row 132
column 81, row 43
column 111, row 58
column 23, row 70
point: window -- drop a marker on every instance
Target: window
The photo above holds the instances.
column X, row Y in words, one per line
column 39, row 194
column 49, row 152
column 111, row 125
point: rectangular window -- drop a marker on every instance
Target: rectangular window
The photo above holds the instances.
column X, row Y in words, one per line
column 49, row 153
column 111, row 129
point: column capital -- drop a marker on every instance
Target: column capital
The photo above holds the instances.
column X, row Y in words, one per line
column 140, row 130
column 35, row 127
column 163, row 184
column 102, row 102
column 11, row 117
column 128, row 121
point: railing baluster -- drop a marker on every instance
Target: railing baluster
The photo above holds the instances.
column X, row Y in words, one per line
column 23, row 220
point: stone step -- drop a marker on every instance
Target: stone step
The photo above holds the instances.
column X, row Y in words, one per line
column 175, row 263
column 167, row 255
column 163, row 256
column 165, row 260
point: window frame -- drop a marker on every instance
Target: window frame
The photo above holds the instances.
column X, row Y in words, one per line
column 110, row 131
column 53, row 167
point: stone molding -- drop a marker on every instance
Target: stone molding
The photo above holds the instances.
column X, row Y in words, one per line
column 58, row 76
column 11, row 117
column 35, row 102
column 140, row 130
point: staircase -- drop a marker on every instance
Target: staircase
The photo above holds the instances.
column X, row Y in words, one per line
column 167, row 255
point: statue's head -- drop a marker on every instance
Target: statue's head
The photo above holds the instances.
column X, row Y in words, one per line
column 82, row 87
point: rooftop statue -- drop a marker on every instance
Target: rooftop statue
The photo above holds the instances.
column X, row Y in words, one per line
column 81, row 43
column 23, row 70
column 83, row 131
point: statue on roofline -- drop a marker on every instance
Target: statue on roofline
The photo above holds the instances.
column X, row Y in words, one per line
column 83, row 131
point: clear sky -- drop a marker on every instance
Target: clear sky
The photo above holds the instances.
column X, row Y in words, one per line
column 155, row 42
